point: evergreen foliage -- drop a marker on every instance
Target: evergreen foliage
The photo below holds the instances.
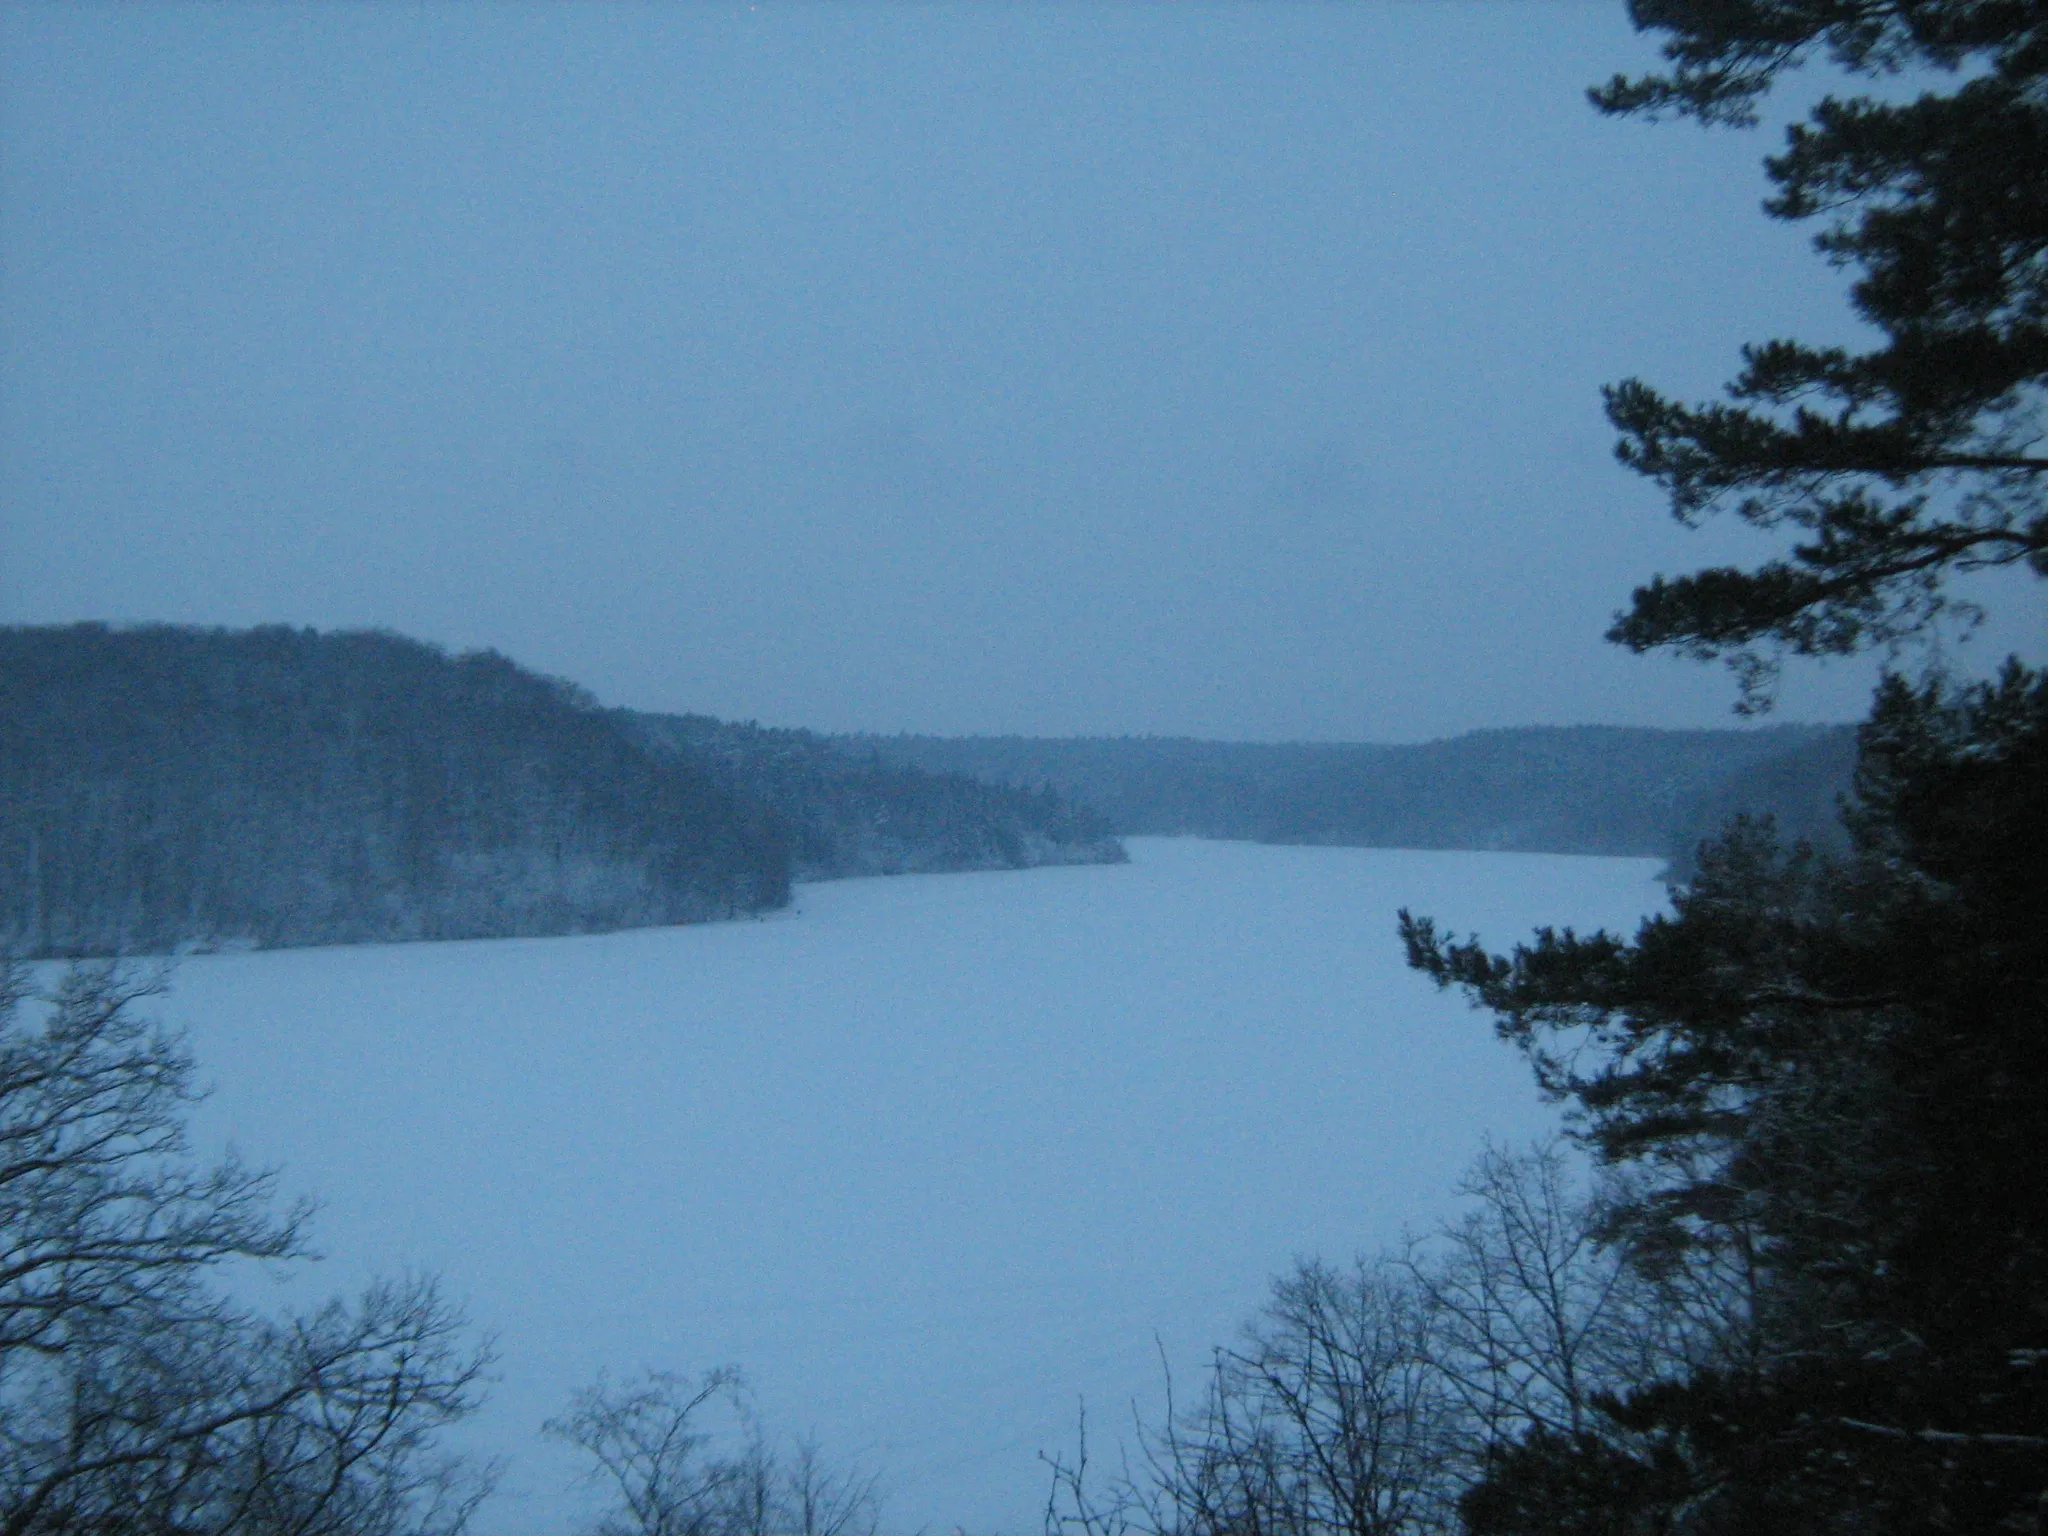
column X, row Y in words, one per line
column 1828, row 1074
column 1899, row 466
column 1802, row 791
column 1837, row 1069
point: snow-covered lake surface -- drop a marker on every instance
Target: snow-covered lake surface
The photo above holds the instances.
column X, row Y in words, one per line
column 933, row 1158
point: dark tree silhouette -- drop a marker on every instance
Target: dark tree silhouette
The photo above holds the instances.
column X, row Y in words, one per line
column 1900, row 466
column 1826, row 1072
column 134, row 1397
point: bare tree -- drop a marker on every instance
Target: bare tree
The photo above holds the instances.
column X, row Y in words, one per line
column 1365, row 1401
column 1330, row 1418
column 656, row 1445
column 100, row 1215
column 820, row 1499
column 1535, row 1315
column 134, row 1397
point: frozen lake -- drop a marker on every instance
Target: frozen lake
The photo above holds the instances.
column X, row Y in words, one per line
column 931, row 1158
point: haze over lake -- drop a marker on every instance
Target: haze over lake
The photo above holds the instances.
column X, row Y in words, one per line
column 933, row 1158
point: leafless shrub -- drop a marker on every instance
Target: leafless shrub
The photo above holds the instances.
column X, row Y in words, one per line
column 1535, row 1315
column 656, row 1448
column 1363, row 1401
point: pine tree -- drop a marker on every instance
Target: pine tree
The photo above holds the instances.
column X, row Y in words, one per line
column 1900, row 466
column 1828, row 1078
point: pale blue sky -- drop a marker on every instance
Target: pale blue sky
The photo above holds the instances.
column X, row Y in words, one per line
column 1224, row 370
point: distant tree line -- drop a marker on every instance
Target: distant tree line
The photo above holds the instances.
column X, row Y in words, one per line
column 1802, row 791
column 852, row 811
column 1552, row 789
column 164, row 787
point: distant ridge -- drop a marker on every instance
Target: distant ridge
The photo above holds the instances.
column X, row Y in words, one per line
column 164, row 787
column 848, row 812
column 1616, row 790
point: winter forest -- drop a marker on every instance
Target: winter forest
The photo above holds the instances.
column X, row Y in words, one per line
column 436, row 1099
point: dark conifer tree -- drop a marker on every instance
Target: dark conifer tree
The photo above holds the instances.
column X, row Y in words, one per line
column 1897, row 466
column 1836, row 1070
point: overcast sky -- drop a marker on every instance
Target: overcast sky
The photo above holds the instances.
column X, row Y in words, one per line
column 1218, row 370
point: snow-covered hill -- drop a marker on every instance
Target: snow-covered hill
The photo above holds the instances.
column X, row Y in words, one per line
column 932, row 1158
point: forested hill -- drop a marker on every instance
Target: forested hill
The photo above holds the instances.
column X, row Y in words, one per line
column 1576, row 789
column 163, row 787
column 851, row 813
